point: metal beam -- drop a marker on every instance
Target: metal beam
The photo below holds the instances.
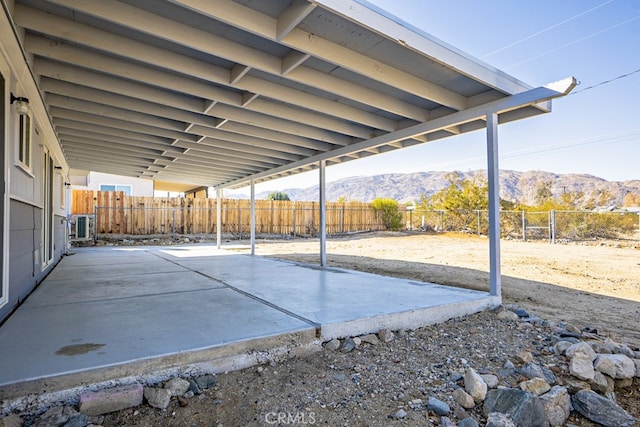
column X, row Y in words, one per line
column 494, row 204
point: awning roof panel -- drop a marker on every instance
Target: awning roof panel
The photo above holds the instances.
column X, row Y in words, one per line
column 217, row 93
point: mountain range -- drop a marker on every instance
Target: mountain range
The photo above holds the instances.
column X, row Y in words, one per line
column 514, row 186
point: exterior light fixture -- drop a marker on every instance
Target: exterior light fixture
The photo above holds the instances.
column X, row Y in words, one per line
column 22, row 104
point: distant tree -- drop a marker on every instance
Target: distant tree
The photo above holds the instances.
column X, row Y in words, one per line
column 543, row 192
column 460, row 194
column 342, row 199
column 632, row 199
column 278, row 195
column 389, row 210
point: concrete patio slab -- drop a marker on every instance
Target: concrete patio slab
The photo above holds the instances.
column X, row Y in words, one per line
column 108, row 313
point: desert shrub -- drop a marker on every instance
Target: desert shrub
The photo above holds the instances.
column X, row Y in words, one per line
column 388, row 211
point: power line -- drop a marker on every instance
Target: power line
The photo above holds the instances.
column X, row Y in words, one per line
column 545, row 30
column 573, row 42
column 607, row 81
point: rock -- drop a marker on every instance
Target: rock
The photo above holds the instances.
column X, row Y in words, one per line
column 533, row 370
column 626, row 350
column 557, row 405
column 524, row 357
column 602, row 383
column 490, row 379
column 438, row 406
column 177, row 386
column 474, row 385
column 77, row 420
column 463, row 398
column 508, row 364
column 400, row 414
column 370, row 339
column 521, row 312
column 525, row 409
column 581, row 348
column 572, row 328
column 617, row 366
column 561, row 347
column 497, row 419
column 53, row 417
column 623, row 383
column 468, row 422
column 111, row 400
column 535, row 386
column 357, row 341
column 574, row 385
column 11, row 420
column 599, row 348
column 507, row 315
column 157, row 397
column 194, row 388
column 332, row 345
column 347, row 345
column 385, row 335
column 206, row 381
column 182, row 401
column 581, row 367
column 637, row 363
column 446, row 422
column 601, row 410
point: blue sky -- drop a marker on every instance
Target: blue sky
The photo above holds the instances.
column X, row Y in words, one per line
column 592, row 131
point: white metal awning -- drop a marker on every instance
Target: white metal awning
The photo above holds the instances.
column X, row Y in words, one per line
column 218, row 93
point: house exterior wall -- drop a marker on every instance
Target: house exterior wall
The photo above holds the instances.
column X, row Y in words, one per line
column 139, row 186
column 34, row 200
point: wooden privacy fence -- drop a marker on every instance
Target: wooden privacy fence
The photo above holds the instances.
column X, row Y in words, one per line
column 117, row 214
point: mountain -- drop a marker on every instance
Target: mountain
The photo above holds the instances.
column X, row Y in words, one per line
column 520, row 186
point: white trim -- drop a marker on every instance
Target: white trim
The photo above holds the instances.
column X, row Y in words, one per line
column 26, row 201
column 4, row 221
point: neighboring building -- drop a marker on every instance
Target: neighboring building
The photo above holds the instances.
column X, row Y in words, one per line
column 106, row 182
column 34, row 172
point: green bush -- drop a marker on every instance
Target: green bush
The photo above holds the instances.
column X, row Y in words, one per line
column 389, row 212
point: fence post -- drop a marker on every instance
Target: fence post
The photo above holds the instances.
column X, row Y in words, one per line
column 552, row 228
column 173, row 223
column 341, row 220
column 95, row 224
column 524, row 226
column 478, row 212
column 293, row 206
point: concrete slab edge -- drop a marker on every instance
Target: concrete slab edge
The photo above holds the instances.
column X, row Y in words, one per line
column 36, row 396
column 412, row 319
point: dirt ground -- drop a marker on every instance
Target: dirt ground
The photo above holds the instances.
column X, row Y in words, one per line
column 593, row 284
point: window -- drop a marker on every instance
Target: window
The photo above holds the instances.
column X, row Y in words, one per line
column 24, row 154
column 126, row 189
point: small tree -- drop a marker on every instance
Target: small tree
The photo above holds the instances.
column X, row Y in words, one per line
column 389, row 210
column 278, row 195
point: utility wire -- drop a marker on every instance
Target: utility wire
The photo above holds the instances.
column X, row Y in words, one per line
column 573, row 42
column 607, row 81
column 545, row 30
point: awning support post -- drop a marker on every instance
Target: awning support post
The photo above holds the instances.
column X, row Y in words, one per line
column 494, row 205
column 253, row 217
column 323, row 215
column 219, row 217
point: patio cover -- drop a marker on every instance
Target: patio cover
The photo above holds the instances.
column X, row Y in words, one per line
column 215, row 93
column 224, row 93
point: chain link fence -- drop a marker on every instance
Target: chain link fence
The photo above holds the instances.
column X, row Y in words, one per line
column 563, row 226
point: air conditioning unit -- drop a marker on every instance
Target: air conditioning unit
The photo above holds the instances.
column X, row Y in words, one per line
column 82, row 227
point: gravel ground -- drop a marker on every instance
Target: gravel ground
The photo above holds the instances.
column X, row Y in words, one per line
column 371, row 384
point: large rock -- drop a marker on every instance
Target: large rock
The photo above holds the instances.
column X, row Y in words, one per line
column 157, row 397
column 474, row 385
column 438, row 406
column 601, row 410
column 177, row 386
column 498, row 419
column 463, row 398
column 602, row 383
column 557, row 405
column 111, row 400
column 535, row 386
column 581, row 348
column 637, row 363
column 617, row 366
column 581, row 367
column 533, row 370
column 525, row 409
column 11, row 420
